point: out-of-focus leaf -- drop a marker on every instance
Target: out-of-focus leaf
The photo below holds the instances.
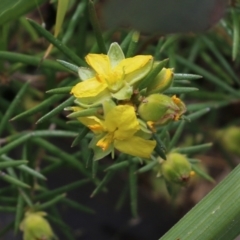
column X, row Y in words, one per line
column 217, row 216
column 13, row 9
column 61, row 12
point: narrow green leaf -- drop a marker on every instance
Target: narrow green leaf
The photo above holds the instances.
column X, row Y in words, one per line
column 96, row 27
column 77, row 206
column 216, row 68
column 236, row 33
column 12, row 10
column 133, row 189
column 198, row 114
column 29, row 29
column 32, row 172
column 94, row 168
column 103, row 183
column 52, row 133
column 19, row 213
column 48, row 204
column 31, row 60
column 65, row 50
column 186, row 76
column 202, row 173
column 43, row 105
column 37, row 133
column 14, row 144
column 148, row 166
column 220, row 209
column 13, row 106
column 122, row 164
column 61, row 190
column 133, row 44
column 7, row 209
column 84, row 113
column 218, row 54
column 194, row 160
column 8, row 200
column 215, row 105
column 82, row 133
column 12, row 163
column 160, row 148
column 13, row 180
column 193, row 149
column 209, row 76
column 180, row 90
column 77, row 17
column 51, row 167
column 56, row 110
column 169, row 42
column 68, row 158
column 176, row 135
column 126, row 41
column 61, row 12
column 25, row 197
column 69, row 66
column 63, row 227
column 61, row 90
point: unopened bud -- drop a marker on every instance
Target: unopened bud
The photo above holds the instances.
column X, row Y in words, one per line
column 162, row 81
column 160, row 109
column 35, row 226
column 230, row 139
column 176, row 169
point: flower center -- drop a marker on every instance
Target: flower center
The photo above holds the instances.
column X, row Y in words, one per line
column 114, row 80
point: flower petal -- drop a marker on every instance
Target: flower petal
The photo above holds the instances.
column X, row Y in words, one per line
column 89, row 88
column 136, row 146
column 130, row 65
column 122, row 119
column 99, row 62
column 139, row 74
column 93, row 123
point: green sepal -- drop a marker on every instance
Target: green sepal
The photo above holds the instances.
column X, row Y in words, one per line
column 115, row 54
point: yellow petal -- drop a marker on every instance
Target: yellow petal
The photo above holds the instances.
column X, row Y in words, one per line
column 136, row 146
column 130, row 65
column 99, row 62
column 122, row 121
column 93, row 123
column 89, row 88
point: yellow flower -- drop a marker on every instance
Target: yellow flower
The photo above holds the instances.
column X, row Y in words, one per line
column 118, row 130
column 113, row 75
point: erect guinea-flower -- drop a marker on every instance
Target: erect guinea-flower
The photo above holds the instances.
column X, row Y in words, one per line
column 111, row 74
column 119, row 130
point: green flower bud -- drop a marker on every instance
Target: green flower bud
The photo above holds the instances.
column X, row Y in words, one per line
column 160, row 109
column 230, row 139
column 35, row 227
column 176, row 169
column 162, row 81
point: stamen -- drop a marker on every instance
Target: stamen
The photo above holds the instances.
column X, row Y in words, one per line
column 105, row 142
column 95, row 127
column 176, row 100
